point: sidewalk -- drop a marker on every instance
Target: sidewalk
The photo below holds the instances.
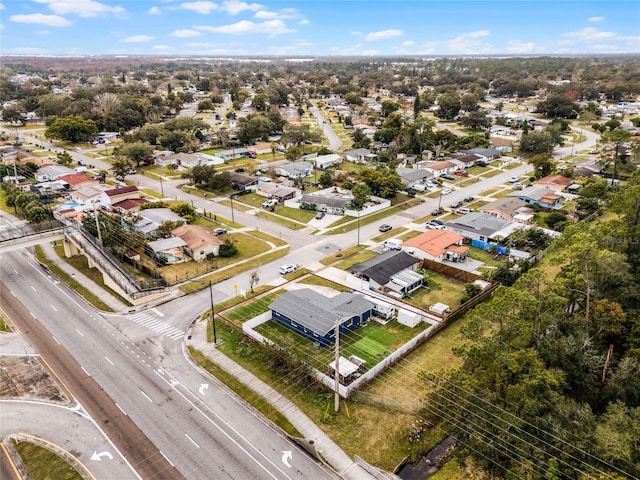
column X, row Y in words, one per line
column 89, row 284
column 316, row 440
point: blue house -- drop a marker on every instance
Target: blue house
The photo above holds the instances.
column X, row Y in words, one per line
column 541, row 196
column 314, row 316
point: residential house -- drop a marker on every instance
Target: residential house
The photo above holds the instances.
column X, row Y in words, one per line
column 276, row 190
column 190, row 160
column 201, row 242
column 114, row 195
column 332, row 204
column 88, row 197
column 481, row 228
column 234, row 153
column 542, row 196
column 441, row 167
column 128, row 205
column 294, row 169
column 486, row 154
column 326, row 161
column 394, row 270
column 77, row 181
column 414, row 176
column 50, row 189
column 167, row 251
column 242, row 182
column 359, row 155
column 464, row 161
column 554, row 182
column 438, row 245
column 51, row 172
column 151, row 219
column 510, row 209
column 315, row 316
column 502, row 145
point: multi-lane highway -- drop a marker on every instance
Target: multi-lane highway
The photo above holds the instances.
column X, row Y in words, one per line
column 115, row 367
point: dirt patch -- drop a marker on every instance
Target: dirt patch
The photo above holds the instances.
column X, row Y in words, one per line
column 27, row 378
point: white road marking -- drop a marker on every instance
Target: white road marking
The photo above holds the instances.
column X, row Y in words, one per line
column 54, row 308
column 33, row 315
column 57, row 341
column 146, row 396
column 191, row 440
column 13, row 293
column 165, row 457
column 81, row 334
column 88, row 375
column 125, row 413
column 33, row 288
column 109, row 360
column 16, row 271
column 157, row 312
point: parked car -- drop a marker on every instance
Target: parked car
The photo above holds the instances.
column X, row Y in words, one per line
column 288, row 268
column 514, row 179
column 456, row 204
column 468, row 199
column 517, row 186
column 418, row 187
column 446, row 191
column 461, row 173
column 437, row 211
column 220, row 231
column 447, row 176
column 320, row 215
column 435, row 225
column 385, row 227
column 463, row 211
column 272, row 202
column 481, row 163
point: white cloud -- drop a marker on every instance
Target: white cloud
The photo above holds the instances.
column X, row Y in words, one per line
column 82, row 8
column 43, row 32
column 469, row 43
column 185, row 33
column 27, row 51
column 595, row 19
column 154, row 11
column 304, row 21
column 408, row 43
column 267, row 15
column 590, row 34
column 162, row 48
column 234, row 7
column 245, row 27
column 138, row 39
column 383, row 35
column 39, row 18
column 205, row 8
column 1, row 6
column 514, row 46
column 372, row 52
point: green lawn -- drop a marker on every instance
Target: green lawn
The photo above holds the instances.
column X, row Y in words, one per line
column 439, row 289
column 484, row 256
column 489, row 172
column 285, row 222
column 245, row 312
column 43, row 464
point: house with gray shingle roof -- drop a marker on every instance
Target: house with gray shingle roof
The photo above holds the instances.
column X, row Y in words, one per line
column 314, row 316
column 382, row 269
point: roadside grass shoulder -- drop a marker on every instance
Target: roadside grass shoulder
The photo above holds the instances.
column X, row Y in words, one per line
column 42, row 462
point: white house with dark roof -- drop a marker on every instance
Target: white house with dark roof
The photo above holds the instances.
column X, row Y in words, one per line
column 315, row 316
column 51, row 172
column 294, row 169
column 359, row 155
column 394, row 270
column 482, row 227
column 510, row 209
column 487, row 154
column 151, row 219
column 414, row 176
column 112, row 196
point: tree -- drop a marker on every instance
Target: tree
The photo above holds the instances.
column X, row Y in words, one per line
column 137, row 152
column 227, row 249
column 294, row 154
column 449, row 106
column 64, row 159
column 476, row 119
column 388, row 107
column 361, row 195
column 612, row 149
column 326, row 179
column 383, row 181
column 73, row 129
column 558, row 105
column 35, row 212
column 536, row 142
column 121, row 166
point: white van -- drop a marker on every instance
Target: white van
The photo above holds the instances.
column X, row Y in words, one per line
column 80, row 169
column 393, row 244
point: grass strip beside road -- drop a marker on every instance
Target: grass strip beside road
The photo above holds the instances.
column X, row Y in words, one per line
column 43, row 464
column 70, row 281
column 244, row 392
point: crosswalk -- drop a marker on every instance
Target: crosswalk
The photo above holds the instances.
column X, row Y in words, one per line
column 156, row 325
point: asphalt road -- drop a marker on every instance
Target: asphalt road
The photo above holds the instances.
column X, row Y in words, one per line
column 132, row 374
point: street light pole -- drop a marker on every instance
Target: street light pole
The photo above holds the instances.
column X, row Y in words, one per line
column 213, row 318
column 336, row 371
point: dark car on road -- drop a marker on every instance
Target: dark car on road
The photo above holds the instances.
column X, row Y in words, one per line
column 437, row 211
column 468, row 199
column 220, row 231
column 447, row 176
column 384, row 227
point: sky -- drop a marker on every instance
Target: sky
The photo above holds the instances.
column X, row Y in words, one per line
column 312, row 28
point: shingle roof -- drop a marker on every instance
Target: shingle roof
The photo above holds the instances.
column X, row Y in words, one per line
column 196, row 236
column 317, row 312
column 121, row 190
column 434, row 242
column 382, row 267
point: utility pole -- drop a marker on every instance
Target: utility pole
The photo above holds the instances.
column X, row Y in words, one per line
column 213, row 318
column 336, row 371
column 95, row 216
